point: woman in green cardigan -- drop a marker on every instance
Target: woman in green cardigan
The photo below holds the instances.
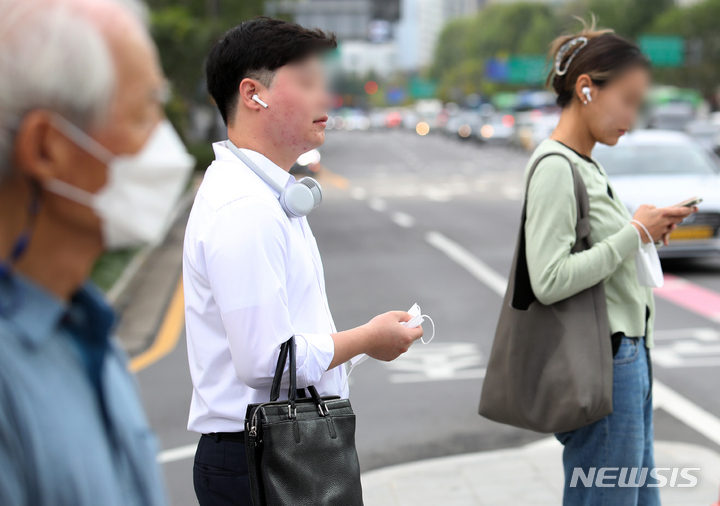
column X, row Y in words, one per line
column 601, row 80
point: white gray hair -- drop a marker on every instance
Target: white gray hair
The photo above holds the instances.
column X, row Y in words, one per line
column 52, row 58
column 137, row 8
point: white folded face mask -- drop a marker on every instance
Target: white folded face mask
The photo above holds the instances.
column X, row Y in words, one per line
column 647, row 265
column 417, row 319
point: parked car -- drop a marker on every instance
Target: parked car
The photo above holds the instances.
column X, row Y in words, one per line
column 706, row 131
column 672, row 116
column 664, row 168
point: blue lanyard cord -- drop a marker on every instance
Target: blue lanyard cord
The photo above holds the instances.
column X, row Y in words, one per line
column 20, row 246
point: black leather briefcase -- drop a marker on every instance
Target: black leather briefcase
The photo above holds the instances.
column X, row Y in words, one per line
column 301, row 451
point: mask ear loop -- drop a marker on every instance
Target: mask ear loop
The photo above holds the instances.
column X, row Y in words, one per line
column 352, row 367
column 433, row 327
column 83, row 140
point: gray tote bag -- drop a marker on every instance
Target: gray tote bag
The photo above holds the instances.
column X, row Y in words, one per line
column 551, row 366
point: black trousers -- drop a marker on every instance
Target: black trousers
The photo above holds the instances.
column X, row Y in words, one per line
column 220, row 473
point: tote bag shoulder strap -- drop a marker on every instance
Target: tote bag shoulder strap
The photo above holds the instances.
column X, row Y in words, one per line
column 582, row 227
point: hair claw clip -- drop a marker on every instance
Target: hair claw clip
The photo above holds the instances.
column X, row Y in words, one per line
column 563, row 51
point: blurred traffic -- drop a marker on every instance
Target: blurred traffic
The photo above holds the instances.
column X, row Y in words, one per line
column 674, row 147
column 525, row 118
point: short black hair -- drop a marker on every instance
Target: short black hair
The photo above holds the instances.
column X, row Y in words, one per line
column 256, row 49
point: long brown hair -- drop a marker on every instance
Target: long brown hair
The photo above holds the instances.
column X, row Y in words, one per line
column 604, row 57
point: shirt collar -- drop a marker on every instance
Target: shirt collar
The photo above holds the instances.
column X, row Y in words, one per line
column 579, row 155
column 38, row 313
column 275, row 172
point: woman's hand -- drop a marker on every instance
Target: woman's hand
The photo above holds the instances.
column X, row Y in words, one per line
column 660, row 221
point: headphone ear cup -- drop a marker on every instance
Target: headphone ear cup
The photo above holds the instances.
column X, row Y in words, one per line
column 297, row 200
column 315, row 188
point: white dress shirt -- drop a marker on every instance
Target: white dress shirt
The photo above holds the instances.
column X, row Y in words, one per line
column 252, row 278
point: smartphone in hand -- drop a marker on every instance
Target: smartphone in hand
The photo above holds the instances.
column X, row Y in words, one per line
column 690, row 202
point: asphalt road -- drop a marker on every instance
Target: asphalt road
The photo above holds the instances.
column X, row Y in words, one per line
column 434, row 220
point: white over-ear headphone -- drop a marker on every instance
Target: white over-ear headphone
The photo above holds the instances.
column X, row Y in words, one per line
column 586, row 92
column 296, row 200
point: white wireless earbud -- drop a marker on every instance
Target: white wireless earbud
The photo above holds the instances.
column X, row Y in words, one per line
column 257, row 99
column 586, row 92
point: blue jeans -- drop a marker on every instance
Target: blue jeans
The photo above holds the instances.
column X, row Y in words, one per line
column 623, row 439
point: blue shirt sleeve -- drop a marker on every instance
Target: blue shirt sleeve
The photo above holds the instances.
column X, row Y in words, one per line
column 13, row 465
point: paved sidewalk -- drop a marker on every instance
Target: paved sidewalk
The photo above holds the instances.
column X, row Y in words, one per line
column 530, row 474
column 143, row 299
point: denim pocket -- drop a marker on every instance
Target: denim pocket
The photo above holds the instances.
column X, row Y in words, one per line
column 628, row 351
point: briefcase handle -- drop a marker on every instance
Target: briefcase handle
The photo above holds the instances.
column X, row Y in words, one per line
column 288, row 348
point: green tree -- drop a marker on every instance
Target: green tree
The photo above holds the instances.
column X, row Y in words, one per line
column 628, row 18
column 698, row 24
column 226, row 13
column 183, row 41
column 184, row 31
column 498, row 30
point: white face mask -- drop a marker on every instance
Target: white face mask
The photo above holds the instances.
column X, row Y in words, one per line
column 647, row 263
column 416, row 320
column 136, row 203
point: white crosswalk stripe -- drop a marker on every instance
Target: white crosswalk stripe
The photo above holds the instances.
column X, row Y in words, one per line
column 435, row 362
column 681, row 348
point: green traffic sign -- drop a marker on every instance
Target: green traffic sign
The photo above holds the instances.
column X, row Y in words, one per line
column 422, row 88
column 663, row 50
column 527, row 69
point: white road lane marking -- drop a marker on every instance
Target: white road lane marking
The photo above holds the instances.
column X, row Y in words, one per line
column 423, row 378
column 442, row 361
column 358, row 193
column 686, row 411
column 664, row 397
column 482, row 271
column 706, row 334
column 437, row 194
column 377, row 204
column 179, row 453
column 403, row 219
column 682, row 348
column 512, row 192
column 684, row 354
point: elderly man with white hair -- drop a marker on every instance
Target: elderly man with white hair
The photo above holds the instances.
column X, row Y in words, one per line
column 87, row 163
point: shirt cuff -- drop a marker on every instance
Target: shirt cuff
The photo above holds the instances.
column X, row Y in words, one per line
column 314, row 354
column 625, row 241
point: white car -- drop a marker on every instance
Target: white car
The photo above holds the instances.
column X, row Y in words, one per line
column 664, row 168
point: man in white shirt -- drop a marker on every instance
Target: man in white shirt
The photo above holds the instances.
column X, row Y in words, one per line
column 252, row 274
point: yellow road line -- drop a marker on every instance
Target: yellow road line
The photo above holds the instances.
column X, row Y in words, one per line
column 168, row 335
column 334, row 179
